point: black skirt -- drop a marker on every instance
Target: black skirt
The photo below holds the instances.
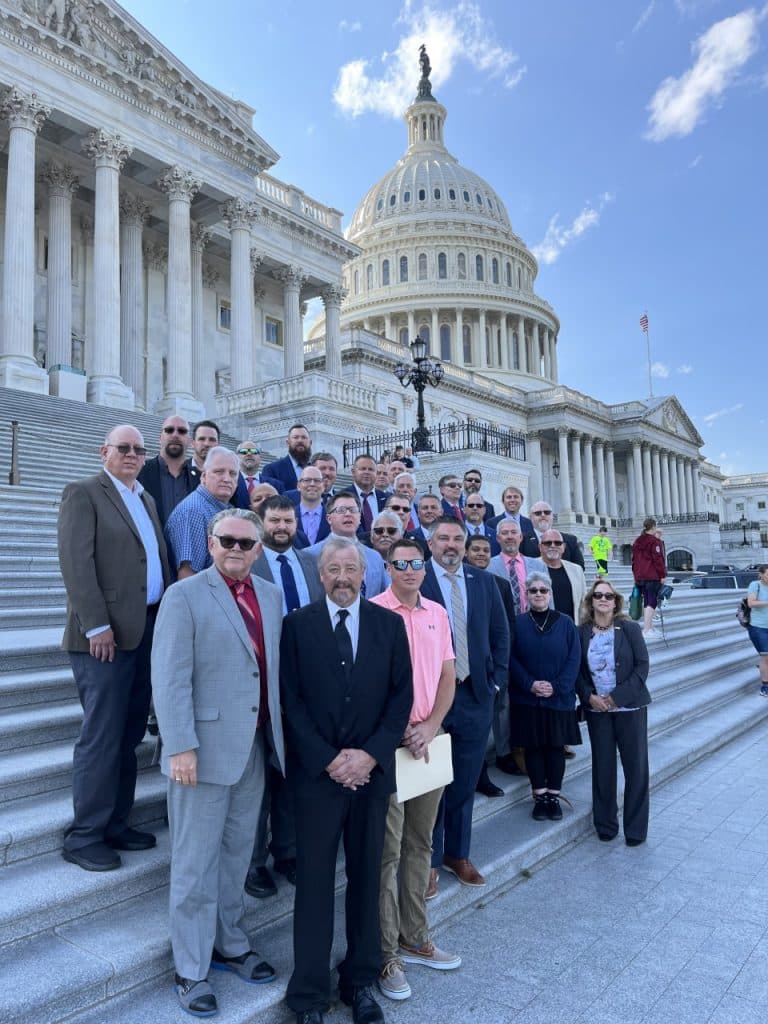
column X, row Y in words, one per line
column 542, row 727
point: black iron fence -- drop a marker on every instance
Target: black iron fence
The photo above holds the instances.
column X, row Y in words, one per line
column 446, row 437
column 752, row 525
column 687, row 517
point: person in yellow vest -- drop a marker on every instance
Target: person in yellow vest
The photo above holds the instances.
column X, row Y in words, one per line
column 602, row 550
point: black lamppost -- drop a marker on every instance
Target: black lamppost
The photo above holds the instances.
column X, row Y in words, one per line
column 743, row 523
column 423, row 372
column 555, row 468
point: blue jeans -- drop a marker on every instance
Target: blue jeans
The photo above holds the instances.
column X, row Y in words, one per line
column 759, row 637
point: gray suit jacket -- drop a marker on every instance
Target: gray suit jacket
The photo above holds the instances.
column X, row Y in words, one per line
column 498, row 567
column 206, row 678
column 308, row 565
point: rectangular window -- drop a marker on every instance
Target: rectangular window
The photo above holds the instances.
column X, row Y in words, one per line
column 225, row 315
column 761, row 504
column 739, row 506
column 273, row 331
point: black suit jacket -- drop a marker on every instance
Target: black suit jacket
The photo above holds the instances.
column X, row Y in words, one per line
column 149, row 478
column 529, row 546
column 282, row 470
column 630, row 661
column 325, row 711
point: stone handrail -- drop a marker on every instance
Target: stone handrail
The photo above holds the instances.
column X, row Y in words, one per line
column 294, row 199
column 294, row 389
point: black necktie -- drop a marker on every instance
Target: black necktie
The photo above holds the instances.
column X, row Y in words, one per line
column 344, row 642
column 288, row 581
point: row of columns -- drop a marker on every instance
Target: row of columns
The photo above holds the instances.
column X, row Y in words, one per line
column 115, row 346
column 593, row 470
column 661, row 482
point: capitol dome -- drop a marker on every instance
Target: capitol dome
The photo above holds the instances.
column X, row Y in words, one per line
column 439, row 258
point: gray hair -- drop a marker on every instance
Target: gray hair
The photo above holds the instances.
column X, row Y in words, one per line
column 404, row 476
column 344, row 544
column 220, row 450
column 237, row 513
column 388, row 517
column 542, row 578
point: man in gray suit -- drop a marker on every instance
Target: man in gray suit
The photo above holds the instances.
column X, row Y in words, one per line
column 114, row 563
column 217, row 699
column 343, row 514
column 296, row 573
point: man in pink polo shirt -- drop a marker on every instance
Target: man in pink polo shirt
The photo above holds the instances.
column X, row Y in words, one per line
column 405, row 865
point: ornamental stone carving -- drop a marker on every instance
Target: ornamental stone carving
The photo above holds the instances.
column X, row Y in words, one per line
column 210, row 276
column 24, row 109
column 107, row 149
column 61, row 180
column 179, row 184
column 156, row 257
column 201, row 236
column 290, row 277
column 257, row 259
column 86, row 228
column 133, row 209
column 239, row 213
column 259, row 292
column 334, row 294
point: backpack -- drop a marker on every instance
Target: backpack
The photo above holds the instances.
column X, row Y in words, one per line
column 743, row 613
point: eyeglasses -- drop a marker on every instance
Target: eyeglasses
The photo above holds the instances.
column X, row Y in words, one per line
column 474, row 504
column 551, row 543
column 176, row 430
column 604, row 595
column 454, row 484
column 246, row 451
column 343, row 510
column 398, row 508
column 472, row 480
column 389, row 530
column 401, row 564
column 542, row 512
column 538, row 590
column 126, row 449
column 228, row 542
column 311, row 480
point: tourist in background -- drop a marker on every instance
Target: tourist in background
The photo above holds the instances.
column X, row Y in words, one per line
column 649, row 569
column 612, row 691
column 602, row 550
column 757, row 599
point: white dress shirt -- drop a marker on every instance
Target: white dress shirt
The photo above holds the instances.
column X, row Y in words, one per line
column 352, row 621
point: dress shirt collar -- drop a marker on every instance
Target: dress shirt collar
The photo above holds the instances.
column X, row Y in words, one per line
column 231, row 583
column 137, row 489
column 440, row 571
column 334, row 609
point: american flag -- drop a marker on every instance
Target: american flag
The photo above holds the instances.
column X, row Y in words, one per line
column 644, row 323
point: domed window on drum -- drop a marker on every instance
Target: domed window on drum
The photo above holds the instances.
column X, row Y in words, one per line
column 479, row 199
column 385, row 272
column 452, row 194
column 445, row 342
column 392, row 199
column 509, row 275
column 356, row 279
column 479, row 268
column 422, row 266
column 461, row 261
column 466, row 196
column 369, row 276
column 422, row 194
column 380, row 204
column 406, row 197
column 403, row 269
column 495, row 270
column 436, row 193
column 442, row 266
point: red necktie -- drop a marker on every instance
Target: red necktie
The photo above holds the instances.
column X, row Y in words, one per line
column 458, row 513
column 249, row 483
column 251, row 613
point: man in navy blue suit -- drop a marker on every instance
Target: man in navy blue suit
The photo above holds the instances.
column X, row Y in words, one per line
column 481, row 641
column 450, row 489
column 472, row 484
column 371, row 500
column 287, row 469
column 249, row 454
column 512, row 498
column 475, row 508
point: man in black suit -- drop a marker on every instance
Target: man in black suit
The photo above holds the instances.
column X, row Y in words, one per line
column 347, row 689
column 371, row 500
column 287, row 469
column 251, row 475
column 168, row 477
column 481, row 641
column 542, row 516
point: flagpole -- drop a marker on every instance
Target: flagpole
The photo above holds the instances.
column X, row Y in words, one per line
column 644, row 326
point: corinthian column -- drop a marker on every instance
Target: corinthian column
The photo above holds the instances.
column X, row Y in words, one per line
column 578, row 488
column 62, row 185
column 565, row 476
column 202, row 372
column 658, row 503
column 292, row 278
column 133, row 216
column 240, row 215
column 637, row 466
column 333, row 296
column 666, row 499
column 602, row 493
column 650, row 502
column 536, row 486
column 589, row 478
column 613, row 504
column 181, row 187
column 109, row 153
column 25, row 113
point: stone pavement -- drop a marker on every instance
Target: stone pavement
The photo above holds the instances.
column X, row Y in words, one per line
column 673, row 932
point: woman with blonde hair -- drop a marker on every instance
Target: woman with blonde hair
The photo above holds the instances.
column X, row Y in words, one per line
column 613, row 693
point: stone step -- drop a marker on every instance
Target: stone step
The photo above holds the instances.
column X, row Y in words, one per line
column 30, row 560
column 35, row 649
column 14, row 578
column 34, row 597
column 39, row 723
column 27, row 616
column 33, row 686
column 120, row 970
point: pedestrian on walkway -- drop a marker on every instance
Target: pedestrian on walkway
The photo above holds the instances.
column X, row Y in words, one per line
column 602, row 550
column 648, row 568
column 757, row 599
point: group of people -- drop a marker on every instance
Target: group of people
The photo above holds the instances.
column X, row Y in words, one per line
column 294, row 635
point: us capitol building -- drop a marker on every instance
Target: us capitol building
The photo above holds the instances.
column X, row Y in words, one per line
column 150, row 261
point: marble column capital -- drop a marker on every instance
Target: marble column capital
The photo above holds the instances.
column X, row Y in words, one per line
column 290, row 277
column 179, row 184
column 200, row 237
column 210, row 276
column 106, row 149
column 61, row 180
column 333, row 294
column 259, row 293
column 303, row 310
column 133, row 209
column 534, row 435
column 24, row 109
column 257, row 258
column 239, row 213
column 86, row 228
column 156, row 257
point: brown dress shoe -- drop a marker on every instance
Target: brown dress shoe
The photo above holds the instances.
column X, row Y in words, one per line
column 464, row 869
column 431, row 885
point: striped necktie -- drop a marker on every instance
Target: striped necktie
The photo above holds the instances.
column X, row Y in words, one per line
column 459, row 628
column 515, row 585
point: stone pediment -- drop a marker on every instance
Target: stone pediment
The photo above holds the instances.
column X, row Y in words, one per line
column 669, row 414
column 102, row 38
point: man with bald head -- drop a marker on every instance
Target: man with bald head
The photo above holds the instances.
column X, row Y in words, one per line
column 168, row 476
column 569, row 585
column 115, row 568
column 542, row 517
column 249, row 454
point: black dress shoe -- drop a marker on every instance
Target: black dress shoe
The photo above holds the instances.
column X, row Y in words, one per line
column 94, row 857
column 260, row 884
column 508, row 765
column 309, row 1017
column 633, row 842
column 365, row 1009
column 486, row 787
column 287, row 868
column 132, row 839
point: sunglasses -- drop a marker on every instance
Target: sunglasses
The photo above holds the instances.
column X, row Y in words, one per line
column 538, row 590
column 474, row 504
column 227, row 542
column 454, row 484
column 552, row 543
column 246, row 451
column 604, row 595
column 401, row 564
column 389, row 530
column 472, row 480
column 542, row 512
column 399, row 508
column 176, row 430
column 126, row 449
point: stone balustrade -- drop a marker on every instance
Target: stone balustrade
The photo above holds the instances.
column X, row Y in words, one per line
column 290, row 390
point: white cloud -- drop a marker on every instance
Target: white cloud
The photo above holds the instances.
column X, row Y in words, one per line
column 451, row 34
column 557, row 237
column 660, row 370
column 350, row 26
column 644, row 16
column 685, row 369
column 679, row 104
column 710, row 418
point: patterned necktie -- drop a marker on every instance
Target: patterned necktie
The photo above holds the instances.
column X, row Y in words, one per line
column 367, row 515
column 250, row 483
column 344, row 642
column 515, row 585
column 459, row 628
column 288, row 581
column 458, row 513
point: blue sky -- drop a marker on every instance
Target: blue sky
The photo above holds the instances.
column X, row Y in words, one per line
column 629, row 141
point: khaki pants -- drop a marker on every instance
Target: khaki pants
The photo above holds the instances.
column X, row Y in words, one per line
column 407, row 847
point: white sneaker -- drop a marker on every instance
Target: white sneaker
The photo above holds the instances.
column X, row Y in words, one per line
column 392, row 981
column 652, row 634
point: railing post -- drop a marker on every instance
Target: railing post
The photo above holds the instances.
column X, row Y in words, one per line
column 14, row 477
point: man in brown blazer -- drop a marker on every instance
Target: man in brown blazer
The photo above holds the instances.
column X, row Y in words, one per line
column 115, row 568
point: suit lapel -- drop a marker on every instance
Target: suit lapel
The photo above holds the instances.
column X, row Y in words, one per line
column 223, row 597
column 113, row 495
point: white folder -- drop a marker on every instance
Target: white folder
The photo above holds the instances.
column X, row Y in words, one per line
column 415, row 777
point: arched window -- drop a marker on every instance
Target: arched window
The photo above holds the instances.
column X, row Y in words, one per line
column 495, row 270
column 426, row 336
column 466, row 342
column 422, row 266
column 385, row 272
column 462, row 265
column 380, row 204
column 403, row 335
column 445, row 342
column 357, row 282
column 509, row 275
column 452, row 194
column 392, row 199
column 442, row 266
column 479, row 267
column 436, row 193
column 422, row 194
column 466, row 196
column 369, row 276
column 479, row 199
column 519, row 278
column 406, row 197
column 403, row 269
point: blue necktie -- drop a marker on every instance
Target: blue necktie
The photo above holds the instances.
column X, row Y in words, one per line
column 288, row 581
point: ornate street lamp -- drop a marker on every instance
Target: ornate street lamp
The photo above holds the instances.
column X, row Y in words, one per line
column 555, row 468
column 423, row 372
column 743, row 523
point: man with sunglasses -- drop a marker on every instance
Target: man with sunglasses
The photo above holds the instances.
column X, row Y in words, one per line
column 168, row 477
column 405, row 864
column 542, row 516
column 386, row 529
column 249, row 454
column 217, row 698
column 475, row 512
column 569, row 584
column 115, row 567
column 450, row 490
column 471, row 484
